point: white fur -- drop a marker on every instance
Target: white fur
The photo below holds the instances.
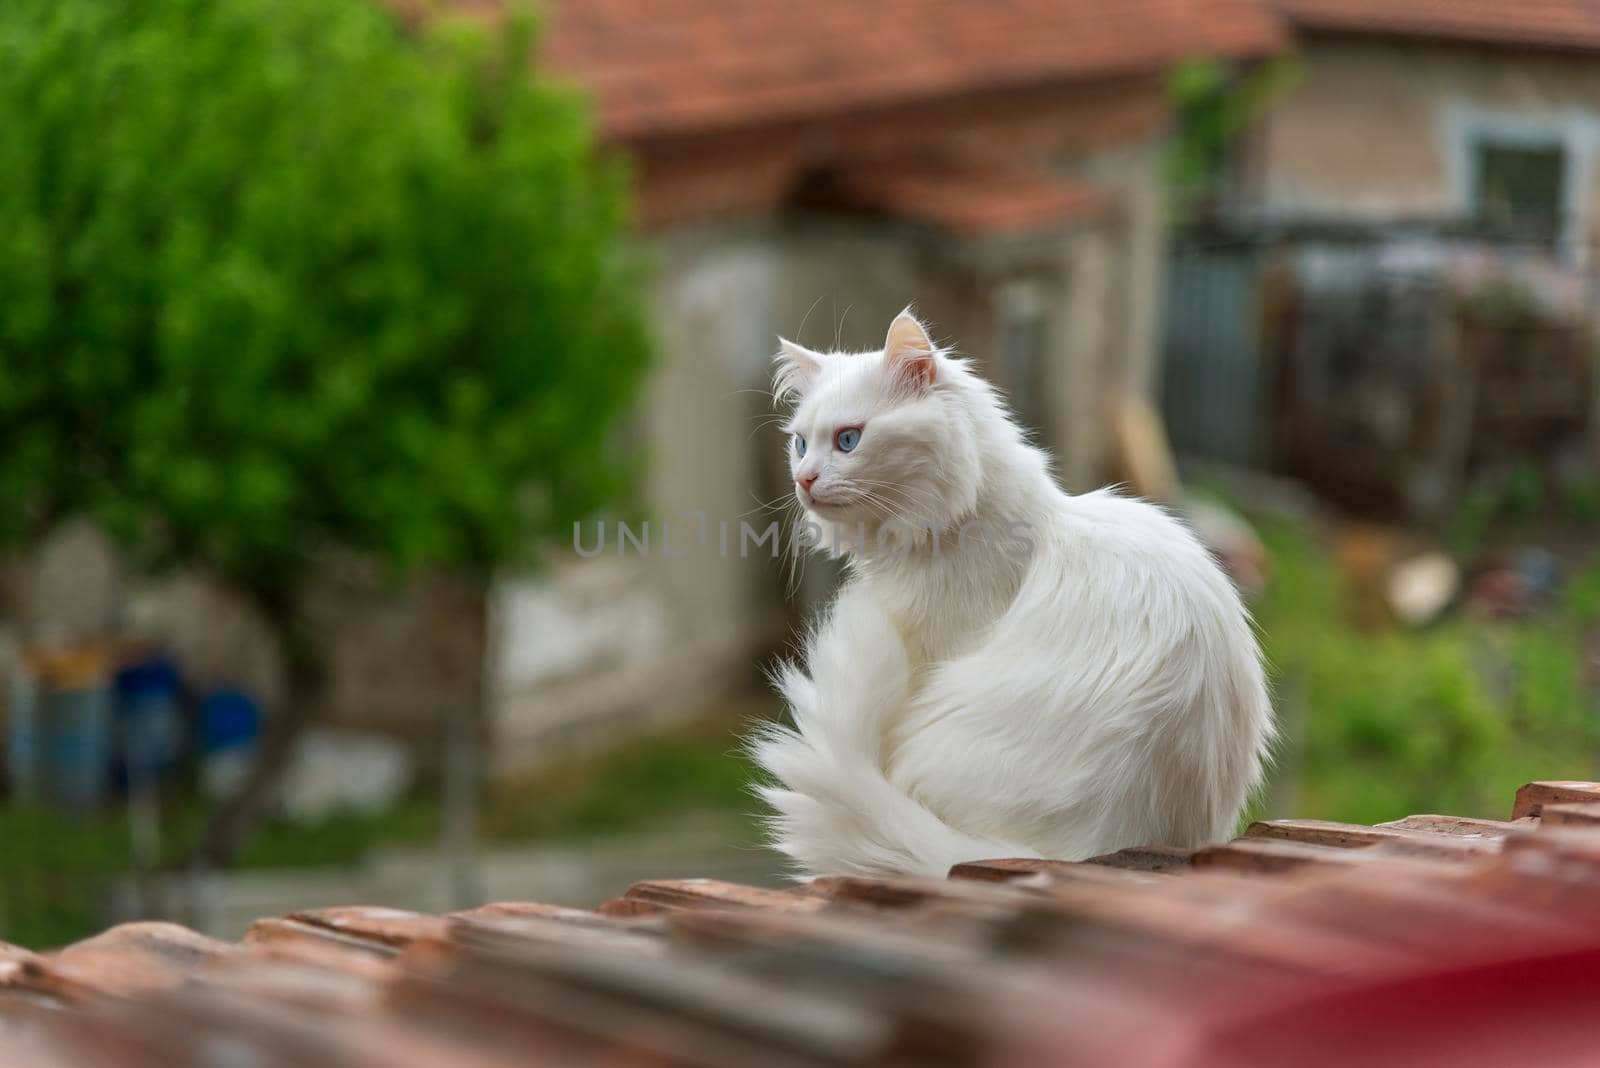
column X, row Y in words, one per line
column 1095, row 688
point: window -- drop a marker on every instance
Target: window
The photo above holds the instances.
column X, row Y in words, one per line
column 1519, row 189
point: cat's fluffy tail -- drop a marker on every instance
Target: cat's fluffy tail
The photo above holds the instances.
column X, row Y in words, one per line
column 835, row 810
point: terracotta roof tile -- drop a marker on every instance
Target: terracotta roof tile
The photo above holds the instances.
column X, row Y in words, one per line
column 1430, row 939
column 1556, row 24
column 966, row 199
column 672, row 67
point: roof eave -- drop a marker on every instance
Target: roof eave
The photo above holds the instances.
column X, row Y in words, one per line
column 650, row 127
column 1463, row 37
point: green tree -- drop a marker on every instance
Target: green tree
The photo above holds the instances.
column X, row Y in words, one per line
column 282, row 280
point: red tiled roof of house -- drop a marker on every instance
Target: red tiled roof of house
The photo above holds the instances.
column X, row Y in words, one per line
column 1554, row 24
column 967, row 199
column 1426, row 940
column 674, row 67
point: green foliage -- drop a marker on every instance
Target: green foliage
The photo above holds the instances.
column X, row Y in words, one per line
column 1468, row 526
column 1520, row 497
column 1583, row 597
column 284, row 275
column 1214, row 103
column 1580, row 497
column 1452, row 718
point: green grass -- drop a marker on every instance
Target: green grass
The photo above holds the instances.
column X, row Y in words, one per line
column 56, row 868
column 647, row 783
column 1450, row 718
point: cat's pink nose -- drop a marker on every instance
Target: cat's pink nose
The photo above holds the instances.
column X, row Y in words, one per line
column 805, row 482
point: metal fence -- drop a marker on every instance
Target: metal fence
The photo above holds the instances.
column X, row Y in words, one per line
column 1385, row 368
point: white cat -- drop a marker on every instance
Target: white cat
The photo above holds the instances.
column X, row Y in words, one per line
column 1074, row 676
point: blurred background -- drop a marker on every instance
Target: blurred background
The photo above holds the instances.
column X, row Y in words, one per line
column 382, row 391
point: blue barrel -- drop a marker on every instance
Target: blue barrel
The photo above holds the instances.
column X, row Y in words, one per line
column 230, row 733
column 149, row 720
column 23, row 771
column 78, row 741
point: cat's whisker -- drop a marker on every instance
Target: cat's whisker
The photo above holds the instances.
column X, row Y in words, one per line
column 807, row 317
column 877, row 505
column 903, row 486
column 887, row 510
column 920, row 496
column 773, row 505
column 917, row 498
column 775, row 420
column 793, row 556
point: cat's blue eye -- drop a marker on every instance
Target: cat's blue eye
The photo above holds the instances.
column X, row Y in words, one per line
column 799, row 445
column 848, row 438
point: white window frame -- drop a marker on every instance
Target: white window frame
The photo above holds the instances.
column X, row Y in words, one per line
column 1575, row 131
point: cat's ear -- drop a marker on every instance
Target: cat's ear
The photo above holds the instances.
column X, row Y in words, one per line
column 797, row 368
column 909, row 351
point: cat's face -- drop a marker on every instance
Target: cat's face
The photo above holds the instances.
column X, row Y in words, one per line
column 876, row 437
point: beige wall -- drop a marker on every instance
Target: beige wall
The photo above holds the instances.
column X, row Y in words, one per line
column 1138, row 244
column 569, row 662
column 1378, row 130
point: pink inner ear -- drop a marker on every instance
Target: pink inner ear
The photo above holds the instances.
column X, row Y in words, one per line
column 918, row 369
column 909, row 351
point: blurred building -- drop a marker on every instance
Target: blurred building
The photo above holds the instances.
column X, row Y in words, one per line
column 808, row 170
column 805, row 170
column 1456, row 111
column 1394, row 292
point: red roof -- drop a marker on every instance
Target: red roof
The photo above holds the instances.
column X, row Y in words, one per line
column 1556, row 24
column 968, row 199
column 676, row 67
column 1429, row 940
